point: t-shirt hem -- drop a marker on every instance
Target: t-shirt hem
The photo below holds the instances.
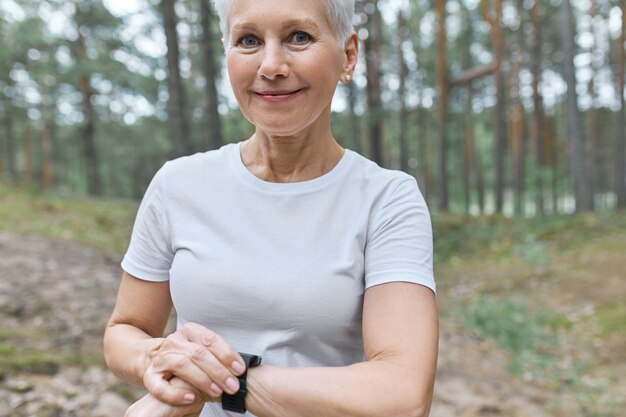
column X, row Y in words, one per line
column 426, row 281
column 143, row 273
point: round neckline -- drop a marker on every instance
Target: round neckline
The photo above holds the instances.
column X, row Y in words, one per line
column 259, row 184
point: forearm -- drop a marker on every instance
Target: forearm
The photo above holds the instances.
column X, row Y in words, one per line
column 127, row 351
column 373, row 388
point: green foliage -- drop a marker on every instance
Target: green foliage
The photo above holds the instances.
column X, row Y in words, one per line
column 105, row 224
column 526, row 334
column 612, row 318
column 497, row 236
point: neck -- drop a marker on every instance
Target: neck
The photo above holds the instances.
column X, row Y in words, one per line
column 290, row 158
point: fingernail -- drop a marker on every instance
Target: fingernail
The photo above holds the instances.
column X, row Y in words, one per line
column 215, row 389
column 189, row 397
column 232, row 384
column 238, row 367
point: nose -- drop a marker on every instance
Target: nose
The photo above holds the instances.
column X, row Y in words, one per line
column 273, row 62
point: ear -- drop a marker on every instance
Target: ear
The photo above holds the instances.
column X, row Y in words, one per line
column 351, row 51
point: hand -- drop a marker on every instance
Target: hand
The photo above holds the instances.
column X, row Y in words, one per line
column 149, row 406
column 199, row 357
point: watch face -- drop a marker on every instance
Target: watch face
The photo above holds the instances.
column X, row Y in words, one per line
column 251, row 360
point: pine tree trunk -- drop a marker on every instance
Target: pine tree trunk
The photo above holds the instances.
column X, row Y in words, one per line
column 620, row 140
column 27, row 176
column 442, row 87
column 176, row 106
column 90, row 152
column 355, row 122
column 373, row 59
column 517, row 131
column 582, row 191
column 500, row 129
column 538, row 112
column 403, row 72
column 46, row 140
column 210, row 68
column 11, row 152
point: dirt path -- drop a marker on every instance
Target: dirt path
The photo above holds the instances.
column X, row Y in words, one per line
column 55, row 298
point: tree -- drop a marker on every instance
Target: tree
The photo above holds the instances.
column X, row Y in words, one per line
column 403, row 73
column 210, row 69
column 178, row 126
column 582, row 190
column 494, row 17
column 372, row 46
column 538, row 111
column 442, row 87
column 620, row 140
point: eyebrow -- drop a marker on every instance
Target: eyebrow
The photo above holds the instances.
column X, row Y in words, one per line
column 288, row 24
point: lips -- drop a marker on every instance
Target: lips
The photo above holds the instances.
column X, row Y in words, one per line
column 278, row 96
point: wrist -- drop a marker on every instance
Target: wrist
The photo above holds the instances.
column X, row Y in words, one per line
column 237, row 402
column 261, row 391
column 148, row 348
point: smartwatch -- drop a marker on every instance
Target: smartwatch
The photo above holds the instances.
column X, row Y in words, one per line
column 237, row 402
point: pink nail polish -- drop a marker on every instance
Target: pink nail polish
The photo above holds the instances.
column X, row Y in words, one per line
column 189, row 397
column 232, row 384
column 238, row 367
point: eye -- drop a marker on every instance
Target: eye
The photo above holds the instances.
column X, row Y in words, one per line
column 300, row 37
column 248, row 41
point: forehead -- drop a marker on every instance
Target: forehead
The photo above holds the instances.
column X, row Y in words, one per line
column 277, row 12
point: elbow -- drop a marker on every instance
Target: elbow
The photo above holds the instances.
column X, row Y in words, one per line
column 416, row 402
column 417, row 408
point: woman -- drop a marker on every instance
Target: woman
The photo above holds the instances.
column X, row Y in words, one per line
column 285, row 246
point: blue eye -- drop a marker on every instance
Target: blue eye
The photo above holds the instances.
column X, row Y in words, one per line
column 247, row 41
column 301, row 37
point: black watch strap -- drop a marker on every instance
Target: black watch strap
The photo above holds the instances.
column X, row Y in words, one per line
column 237, row 402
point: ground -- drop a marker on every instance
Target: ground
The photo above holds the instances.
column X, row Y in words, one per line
column 533, row 311
column 56, row 296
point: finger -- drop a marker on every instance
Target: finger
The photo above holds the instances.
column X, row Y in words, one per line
column 182, row 364
column 162, row 390
column 216, row 344
column 204, row 360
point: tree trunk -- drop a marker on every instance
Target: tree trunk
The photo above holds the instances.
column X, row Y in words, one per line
column 176, row 106
column 373, row 58
column 620, row 140
column 46, row 141
column 500, row 131
column 355, row 122
column 90, row 152
column 442, row 86
column 538, row 112
column 403, row 72
column 210, row 69
column 27, row 176
column 582, row 191
column 468, row 151
column 11, row 152
column 517, row 126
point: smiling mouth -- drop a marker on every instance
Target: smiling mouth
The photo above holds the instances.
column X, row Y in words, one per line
column 278, row 96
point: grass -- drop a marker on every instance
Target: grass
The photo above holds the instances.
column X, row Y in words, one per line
column 612, row 318
column 102, row 223
column 519, row 282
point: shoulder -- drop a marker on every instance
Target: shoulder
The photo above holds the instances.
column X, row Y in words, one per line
column 199, row 162
column 371, row 177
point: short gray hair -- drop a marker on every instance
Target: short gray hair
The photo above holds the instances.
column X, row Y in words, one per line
column 340, row 15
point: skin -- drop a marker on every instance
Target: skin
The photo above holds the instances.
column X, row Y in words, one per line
column 284, row 63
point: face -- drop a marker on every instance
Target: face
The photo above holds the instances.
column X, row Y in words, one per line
column 284, row 63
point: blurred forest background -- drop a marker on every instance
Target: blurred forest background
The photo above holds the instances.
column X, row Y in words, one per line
column 510, row 113
column 496, row 106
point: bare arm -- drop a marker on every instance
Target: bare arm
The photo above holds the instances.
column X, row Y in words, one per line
column 400, row 332
column 135, row 350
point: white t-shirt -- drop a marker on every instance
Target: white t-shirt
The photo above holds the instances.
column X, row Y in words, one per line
column 280, row 269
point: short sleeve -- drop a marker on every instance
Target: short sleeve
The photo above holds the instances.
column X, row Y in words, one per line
column 149, row 255
column 400, row 243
